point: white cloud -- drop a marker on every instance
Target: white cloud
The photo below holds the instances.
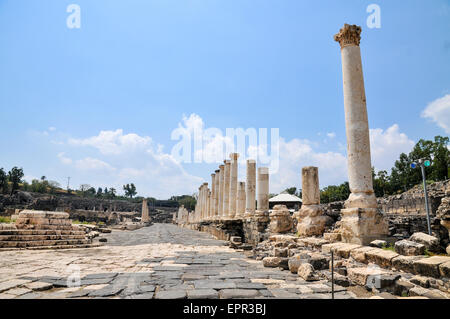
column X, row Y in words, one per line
column 114, row 142
column 64, row 159
column 387, row 145
column 52, row 128
column 93, row 164
column 439, row 112
column 297, row 153
column 331, row 135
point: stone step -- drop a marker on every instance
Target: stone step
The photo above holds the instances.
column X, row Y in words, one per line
column 40, row 232
column 24, row 244
column 53, row 247
column 47, row 227
column 39, row 237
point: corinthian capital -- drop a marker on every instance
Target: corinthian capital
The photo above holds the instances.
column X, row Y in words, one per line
column 348, row 35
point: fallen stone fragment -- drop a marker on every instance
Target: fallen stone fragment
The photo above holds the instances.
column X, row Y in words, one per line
column 306, row 272
column 381, row 257
column 429, row 293
column 272, row 262
column 39, row 286
column 430, row 242
column 409, row 248
column 378, row 243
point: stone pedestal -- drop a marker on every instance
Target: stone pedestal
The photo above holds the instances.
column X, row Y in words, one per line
column 280, row 220
column 262, row 212
column 311, row 221
column 360, row 220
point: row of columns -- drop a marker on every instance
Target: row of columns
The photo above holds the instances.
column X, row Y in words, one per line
column 228, row 198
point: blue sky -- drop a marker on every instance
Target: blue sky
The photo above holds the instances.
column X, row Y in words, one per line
column 136, row 69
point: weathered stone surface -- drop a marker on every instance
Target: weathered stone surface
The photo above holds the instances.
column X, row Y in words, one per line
column 170, row 294
column 405, row 263
column 202, row 294
column 212, row 284
column 295, row 262
column 280, row 252
column 272, row 262
column 362, row 275
column 12, row 284
column 38, row 286
column 326, row 248
column 318, row 261
column 280, row 220
column 430, row 242
column 359, row 254
column 378, row 243
column 306, row 272
column 429, row 266
column 409, row 248
column 421, row 281
column 429, row 293
column 381, row 257
column 402, row 287
column 332, row 237
column 444, row 269
column 238, row 293
column 344, row 250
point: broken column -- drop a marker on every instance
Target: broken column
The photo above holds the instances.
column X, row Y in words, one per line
column 226, row 189
column 361, row 222
column 233, row 184
column 145, row 218
column 311, row 220
column 240, row 205
column 221, row 186
column 280, row 220
column 250, row 189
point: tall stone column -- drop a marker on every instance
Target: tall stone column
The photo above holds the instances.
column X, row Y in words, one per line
column 221, row 186
column 205, row 201
column 208, row 203
column 233, row 184
column 200, row 210
column 263, row 190
column 311, row 221
column 250, row 189
column 212, row 205
column 145, row 218
column 226, row 189
column 216, row 195
column 360, row 223
column 240, row 204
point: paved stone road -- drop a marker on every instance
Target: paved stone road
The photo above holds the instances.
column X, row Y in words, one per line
column 160, row 261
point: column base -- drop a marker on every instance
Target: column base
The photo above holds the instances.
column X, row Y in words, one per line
column 280, row 220
column 311, row 221
column 362, row 225
column 261, row 216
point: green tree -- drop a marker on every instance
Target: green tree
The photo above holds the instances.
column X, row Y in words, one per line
column 291, row 190
column 130, row 190
column 15, row 177
column 99, row 192
column 3, row 181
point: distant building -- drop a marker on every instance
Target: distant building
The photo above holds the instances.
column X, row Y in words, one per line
column 292, row 202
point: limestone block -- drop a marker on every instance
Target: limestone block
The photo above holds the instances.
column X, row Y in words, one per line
column 359, row 254
column 306, row 272
column 311, row 221
column 405, row 263
column 345, row 250
column 332, row 237
column 272, row 262
column 409, row 248
column 444, row 269
column 430, row 242
column 378, row 243
column 326, row 249
column 295, row 262
column 362, row 275
column 430, row 266
column 280, row 220
column 381, row 257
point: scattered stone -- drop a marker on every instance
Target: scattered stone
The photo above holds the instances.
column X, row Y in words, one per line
column 430, row 266
column 306, row 272
column 402, row 287
column 294, row 263
column 332, row 237
column 430, row 242
column 364, row 275
column 409, row 248
column 272, row 262
column 318, row 261
column 280, row 252
column 378, row 243
column 429, row 293
column 359, row 254
column 444, row 269
column 405, row 263
column 421, row 281
column 381, row 257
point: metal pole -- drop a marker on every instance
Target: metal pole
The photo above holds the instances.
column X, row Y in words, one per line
column 422, row 168
column 332, row 274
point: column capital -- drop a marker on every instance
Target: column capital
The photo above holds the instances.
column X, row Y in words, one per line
column 234, row 156
column 348, row 35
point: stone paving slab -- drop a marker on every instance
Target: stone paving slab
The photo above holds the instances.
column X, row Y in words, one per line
column 157, row 262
